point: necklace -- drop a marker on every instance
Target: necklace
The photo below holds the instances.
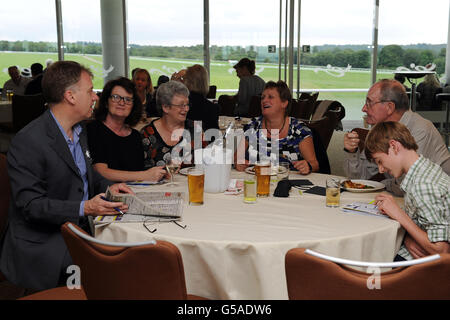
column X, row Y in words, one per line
column 268, row 131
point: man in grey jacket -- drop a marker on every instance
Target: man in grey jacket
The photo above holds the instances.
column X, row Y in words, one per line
column 387, row 101
column 52, row 182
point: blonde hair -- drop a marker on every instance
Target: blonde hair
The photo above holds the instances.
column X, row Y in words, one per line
column 378, row 138
column 196, row 79
column 431, row 80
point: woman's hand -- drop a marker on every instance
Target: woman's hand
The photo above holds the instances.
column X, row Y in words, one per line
column 242, row 166
column 302, row 166
column 155, row 174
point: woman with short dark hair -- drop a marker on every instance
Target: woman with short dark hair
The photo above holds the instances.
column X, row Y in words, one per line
column 295, row 140
column 116, row 147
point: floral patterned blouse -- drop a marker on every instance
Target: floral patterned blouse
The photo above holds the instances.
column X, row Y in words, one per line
column 157, row 152
column 288, row 147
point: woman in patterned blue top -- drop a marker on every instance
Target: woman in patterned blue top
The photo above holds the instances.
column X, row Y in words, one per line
column 295, row 142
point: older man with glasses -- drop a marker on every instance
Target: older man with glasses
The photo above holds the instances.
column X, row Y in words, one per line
column 387, row 101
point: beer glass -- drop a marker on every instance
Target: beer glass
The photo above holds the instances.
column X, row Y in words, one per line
column 262, row 172
column 250, row 189
column 196, row 183
column 333, row 193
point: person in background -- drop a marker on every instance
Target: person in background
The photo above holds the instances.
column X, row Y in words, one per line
column 428, row 88
column 144, row 88
column 295, row 141
column 52, row 182
column 200, row 108
column 17, row 83
column 116, row 148
column 426, row 217
column 163, row 135
column 387, row 101
column 249, row 85
column 161, row 79
column 35, row 86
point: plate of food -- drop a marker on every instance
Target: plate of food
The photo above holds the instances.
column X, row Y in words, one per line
column 355, row 185
column 274, row 170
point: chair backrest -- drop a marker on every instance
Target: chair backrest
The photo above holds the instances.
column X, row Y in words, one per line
column 226, row 105
column 212, row 92
column 321, row 153
column 302, row 109
column 4, row 194
column 325, row 127
column 25, row 109
column 254, row 108
column 147, row 270
column 312, row 276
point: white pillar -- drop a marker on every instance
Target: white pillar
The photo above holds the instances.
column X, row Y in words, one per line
column 114, row 38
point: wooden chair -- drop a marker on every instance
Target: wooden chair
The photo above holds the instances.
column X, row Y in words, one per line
column 4, row 198
column 311, row 275
column 147, row 270
column 212, row 92
column 254, row 109
column 25, row 109
column 226, row 105
column 324, row 126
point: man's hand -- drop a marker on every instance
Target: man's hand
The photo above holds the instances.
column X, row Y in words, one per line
column 120, row 188
column 351, row 141
column 99, row 207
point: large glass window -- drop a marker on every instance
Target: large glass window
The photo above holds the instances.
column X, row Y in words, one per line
column 27, row 35
column 82, row 35
column 165, row 36
column 241, row 29
column 339, row 34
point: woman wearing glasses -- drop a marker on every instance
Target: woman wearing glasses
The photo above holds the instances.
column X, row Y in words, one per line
column 173, row 131
column 115, row 147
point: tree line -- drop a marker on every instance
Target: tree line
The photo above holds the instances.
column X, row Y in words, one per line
column 389, row 56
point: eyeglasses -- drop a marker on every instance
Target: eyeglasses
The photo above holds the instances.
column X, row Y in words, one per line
column 370, row 104
column 116, row 98
column 150, row 224
column 180, row 106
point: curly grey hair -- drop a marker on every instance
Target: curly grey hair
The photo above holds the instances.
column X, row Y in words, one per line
column 167, row 91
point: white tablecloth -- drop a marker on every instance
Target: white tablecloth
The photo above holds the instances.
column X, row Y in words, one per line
column 233, row 250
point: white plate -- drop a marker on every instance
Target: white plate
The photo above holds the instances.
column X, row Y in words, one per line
column 376, row 185
column 251, row 170
column 184, row 171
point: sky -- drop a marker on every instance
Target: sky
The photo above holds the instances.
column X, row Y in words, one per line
column 232, row 22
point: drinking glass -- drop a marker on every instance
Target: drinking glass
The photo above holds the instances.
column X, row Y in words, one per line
column 333, row 192
column 262, row 172
column 283, row 171
column 249, row 189
column 196, row 184
column 172, row 166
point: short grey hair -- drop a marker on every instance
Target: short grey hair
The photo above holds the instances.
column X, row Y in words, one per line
column 167, row 91
column 392, row 90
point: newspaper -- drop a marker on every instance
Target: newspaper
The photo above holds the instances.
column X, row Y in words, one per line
column 364, row 208
column 144, row 206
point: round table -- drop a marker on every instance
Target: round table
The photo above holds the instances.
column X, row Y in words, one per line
column 233, row 250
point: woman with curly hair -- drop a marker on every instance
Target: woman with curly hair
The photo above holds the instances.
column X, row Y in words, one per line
column 116, row 148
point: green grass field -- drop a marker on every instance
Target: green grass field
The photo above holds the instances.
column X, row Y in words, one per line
column 222, row 75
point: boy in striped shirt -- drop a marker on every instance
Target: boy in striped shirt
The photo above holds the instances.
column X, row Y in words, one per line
column 426, row 217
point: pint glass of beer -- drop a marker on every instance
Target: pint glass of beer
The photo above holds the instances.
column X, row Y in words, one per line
column 262, row 172
column 196, row 182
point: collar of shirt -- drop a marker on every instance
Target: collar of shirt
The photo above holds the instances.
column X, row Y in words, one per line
column 76, row 131
column 412, row 172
